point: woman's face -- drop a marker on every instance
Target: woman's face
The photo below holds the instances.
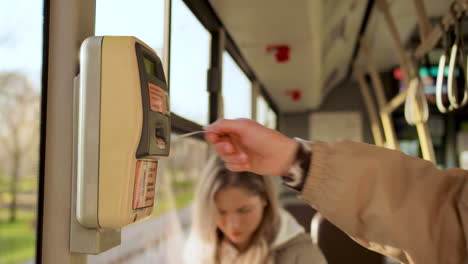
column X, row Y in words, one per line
column 239, row 214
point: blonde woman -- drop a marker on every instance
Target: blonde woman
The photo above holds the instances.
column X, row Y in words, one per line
column 237, row 219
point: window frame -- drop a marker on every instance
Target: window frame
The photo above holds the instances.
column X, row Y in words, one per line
column 220, row 41
column 42, row 131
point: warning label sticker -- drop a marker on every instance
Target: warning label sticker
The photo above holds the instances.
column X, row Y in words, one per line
column 158, row 99
column 145, row 184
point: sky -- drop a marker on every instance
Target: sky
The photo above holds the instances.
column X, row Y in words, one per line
column 21, row 26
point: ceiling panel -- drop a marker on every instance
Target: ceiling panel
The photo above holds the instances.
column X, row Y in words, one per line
column 322, row 35
column 339, row 39
column 254, row 25
column 406, row 20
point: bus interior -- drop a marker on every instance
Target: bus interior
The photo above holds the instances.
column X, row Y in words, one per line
column 381, row 72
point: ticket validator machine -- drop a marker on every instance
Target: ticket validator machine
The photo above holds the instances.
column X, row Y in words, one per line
column 121, row 128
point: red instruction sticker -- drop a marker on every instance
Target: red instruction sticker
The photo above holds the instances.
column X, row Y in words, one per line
column 158, row 99
column 145, row 184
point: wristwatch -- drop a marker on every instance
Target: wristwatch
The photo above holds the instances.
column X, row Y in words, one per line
column 297, row 173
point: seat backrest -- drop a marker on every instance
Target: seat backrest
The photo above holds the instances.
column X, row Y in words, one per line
column 338, row 247
column 301, row 211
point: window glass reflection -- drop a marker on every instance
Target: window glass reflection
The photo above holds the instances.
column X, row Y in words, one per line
column 237, row 90
column 265, row 114
column 21, row 27
column 190, row 53
column 160, row 238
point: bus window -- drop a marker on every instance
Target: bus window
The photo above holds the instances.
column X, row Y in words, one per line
column 190, row 54
column 124, row 18
column 265, row 115
column 20, row 95
column 237, row 90
column 159, row 239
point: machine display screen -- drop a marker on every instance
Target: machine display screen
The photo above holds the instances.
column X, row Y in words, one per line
column 150, row 66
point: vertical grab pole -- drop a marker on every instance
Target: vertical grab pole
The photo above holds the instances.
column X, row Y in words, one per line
column 404, row 60
column 387, row 123
column 424, row 134
column 371, row 110
column 424, row 24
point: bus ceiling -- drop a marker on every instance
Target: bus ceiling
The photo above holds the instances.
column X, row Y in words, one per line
column 316, row 41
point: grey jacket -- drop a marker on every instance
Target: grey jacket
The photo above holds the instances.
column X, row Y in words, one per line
column 293, row 245
column 299, row 250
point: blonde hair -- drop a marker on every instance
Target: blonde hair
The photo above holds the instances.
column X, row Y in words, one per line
column 204, row 240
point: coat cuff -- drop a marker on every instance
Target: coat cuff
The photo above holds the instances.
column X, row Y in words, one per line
column 318, row 182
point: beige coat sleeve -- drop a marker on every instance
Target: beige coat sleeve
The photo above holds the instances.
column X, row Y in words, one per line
column 398, row 205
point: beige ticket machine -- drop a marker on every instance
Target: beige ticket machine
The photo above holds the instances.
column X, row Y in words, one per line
column 121, row 129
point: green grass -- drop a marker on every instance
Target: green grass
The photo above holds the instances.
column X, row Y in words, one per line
column 17, row 240
column 183, row 185
column 26, row 185
column 27, row 189
column 163, row 206
column 20, row 215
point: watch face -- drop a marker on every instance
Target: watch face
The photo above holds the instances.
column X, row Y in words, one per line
column 296, row 174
